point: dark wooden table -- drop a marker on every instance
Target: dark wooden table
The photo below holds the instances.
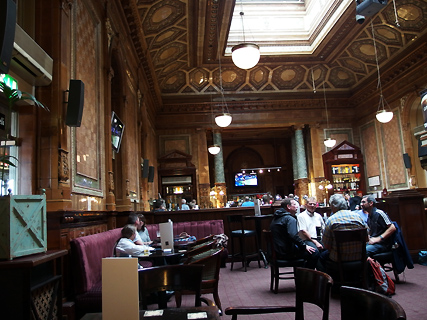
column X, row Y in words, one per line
column 258, row 229
column 169, row 314
column 161, row 258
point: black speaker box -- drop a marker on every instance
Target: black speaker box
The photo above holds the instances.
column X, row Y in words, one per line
column 76, row 97
column 407, row 160
column 7, row 33
column 145, row 168
column 151, row 174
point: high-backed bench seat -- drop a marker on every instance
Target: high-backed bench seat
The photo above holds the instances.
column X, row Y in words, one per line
column 87, row 253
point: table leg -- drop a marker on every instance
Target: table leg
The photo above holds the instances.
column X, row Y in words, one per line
column 259, row 235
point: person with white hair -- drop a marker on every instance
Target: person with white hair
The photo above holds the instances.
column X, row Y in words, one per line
column 184, row 205
column 341, row 219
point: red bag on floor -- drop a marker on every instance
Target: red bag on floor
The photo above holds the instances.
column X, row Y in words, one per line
column 383, row 284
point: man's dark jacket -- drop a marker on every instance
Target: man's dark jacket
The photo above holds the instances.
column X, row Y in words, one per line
column 285, row 234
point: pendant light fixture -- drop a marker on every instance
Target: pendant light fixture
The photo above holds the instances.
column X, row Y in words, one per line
column 224, row 119
column 245, row 55
column 214, row 149
column 329, row 142
column 382, row 115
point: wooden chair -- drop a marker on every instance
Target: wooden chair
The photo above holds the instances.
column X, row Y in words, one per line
column 170, row 278
column 359, row 303
column 351, row 272
column 311, row 287
column 237, row 231
column 386, row 260
column 211, row 261
column 200, row 248
column 276, row 264
column 202, row 240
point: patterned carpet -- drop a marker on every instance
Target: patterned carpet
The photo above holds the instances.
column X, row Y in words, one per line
column 251, row 288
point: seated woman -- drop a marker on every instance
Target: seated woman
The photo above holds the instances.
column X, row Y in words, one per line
column 143, row 231
column 126, row 247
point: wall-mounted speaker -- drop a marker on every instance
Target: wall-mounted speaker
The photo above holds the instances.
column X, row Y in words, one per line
column 407, row 161
column 76, row 97
column 7, row 33
column 150, row 174
column 145, row 168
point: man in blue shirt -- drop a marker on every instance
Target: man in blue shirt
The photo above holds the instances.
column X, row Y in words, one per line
column 184, row 205
column 248, row 202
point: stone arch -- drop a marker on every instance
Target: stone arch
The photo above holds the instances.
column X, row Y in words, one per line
column 412, row 117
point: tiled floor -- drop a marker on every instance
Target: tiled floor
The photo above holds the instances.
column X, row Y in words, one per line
column 251, row 288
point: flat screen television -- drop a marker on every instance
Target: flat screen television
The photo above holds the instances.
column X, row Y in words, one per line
column 117, row 128
column 245, row 179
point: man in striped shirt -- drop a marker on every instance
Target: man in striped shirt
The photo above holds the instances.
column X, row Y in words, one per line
column 381, row 228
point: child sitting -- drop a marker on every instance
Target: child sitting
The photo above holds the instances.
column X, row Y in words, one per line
column 125, row 247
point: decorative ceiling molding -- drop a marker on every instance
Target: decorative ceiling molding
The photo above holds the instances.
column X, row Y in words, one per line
column 177, row 43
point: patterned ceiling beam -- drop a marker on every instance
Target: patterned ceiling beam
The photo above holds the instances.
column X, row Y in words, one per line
column 131, row 12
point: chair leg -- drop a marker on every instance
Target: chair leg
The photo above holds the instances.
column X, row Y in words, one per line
column 276, row 279
column 243, row 252
column 271, row 277
column 178, row 299
column 259, row 251
column 232, row 252
column 396, row 275
column 216, row 299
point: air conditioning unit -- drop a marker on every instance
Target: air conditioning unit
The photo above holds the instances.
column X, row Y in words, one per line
column 368, row 8
column 30, row 61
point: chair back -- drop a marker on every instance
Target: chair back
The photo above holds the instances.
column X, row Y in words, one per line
column 211, row 260
column 170, row 278
column 359, row 303
column 235, row 222
column 200, row 248
column 352, row 240
column 202, row 240
column 312, row 287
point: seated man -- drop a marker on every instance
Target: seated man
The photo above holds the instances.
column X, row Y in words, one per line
column 311, row 225
column 287, row 243
column 248, row 202
column 380, row 227
column 341, row 219
column 126, row 247
column 184, row 205
column 133, row 219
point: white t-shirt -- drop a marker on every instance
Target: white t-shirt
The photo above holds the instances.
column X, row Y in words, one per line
column 309, row 221
column 125, row 247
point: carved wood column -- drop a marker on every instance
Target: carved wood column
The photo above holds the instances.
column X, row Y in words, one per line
column 52, row 160
column 110, row 197
column 203, row 169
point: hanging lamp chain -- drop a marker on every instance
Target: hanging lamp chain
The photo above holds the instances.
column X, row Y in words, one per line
column 379, row 85
column 221, row 88
column 312, row 78
column 241, row 18
column 395, row 14
column 326, row 106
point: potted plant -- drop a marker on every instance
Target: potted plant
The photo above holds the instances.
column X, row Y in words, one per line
column 22, row 217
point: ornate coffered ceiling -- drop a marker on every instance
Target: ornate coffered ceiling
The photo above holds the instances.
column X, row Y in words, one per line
column 178, row 41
